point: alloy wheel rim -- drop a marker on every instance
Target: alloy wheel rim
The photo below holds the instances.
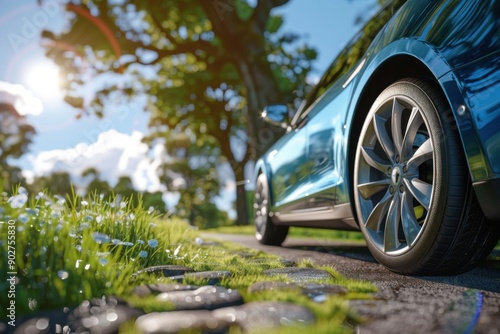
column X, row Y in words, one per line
column 260, row 207
column 395, row 176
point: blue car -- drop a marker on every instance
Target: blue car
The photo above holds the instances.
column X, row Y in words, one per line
column 399, row 139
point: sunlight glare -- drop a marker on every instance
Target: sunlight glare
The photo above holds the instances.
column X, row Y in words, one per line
column 42, row 78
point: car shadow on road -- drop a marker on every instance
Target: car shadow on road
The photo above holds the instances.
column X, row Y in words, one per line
column 353, row 251
column 486, row 276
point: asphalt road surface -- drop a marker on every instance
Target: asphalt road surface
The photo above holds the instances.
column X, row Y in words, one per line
column 466, row 303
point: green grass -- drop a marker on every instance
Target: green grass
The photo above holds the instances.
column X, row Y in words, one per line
column 69, row 250
column 299, row 232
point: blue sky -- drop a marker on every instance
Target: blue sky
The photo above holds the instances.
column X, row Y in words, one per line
column 24, row 70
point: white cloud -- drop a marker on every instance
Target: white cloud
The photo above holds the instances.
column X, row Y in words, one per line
column 22, row 99
column 114, row 154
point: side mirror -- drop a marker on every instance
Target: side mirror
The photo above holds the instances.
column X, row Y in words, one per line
column 277, row 114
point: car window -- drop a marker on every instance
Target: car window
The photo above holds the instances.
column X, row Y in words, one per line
column 352, row 53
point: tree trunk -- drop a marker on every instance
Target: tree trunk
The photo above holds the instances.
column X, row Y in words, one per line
column 262, row 90
column 245, row 42
column 241, row 199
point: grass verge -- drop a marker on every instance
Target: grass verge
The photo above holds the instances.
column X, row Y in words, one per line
column 299, row 232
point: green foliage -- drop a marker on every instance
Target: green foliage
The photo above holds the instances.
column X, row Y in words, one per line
column 274, row 24
column 207, row 67
column 191, row 171
column 16, row 133
column 57, row 183
column 15, row 136
column 243, row 9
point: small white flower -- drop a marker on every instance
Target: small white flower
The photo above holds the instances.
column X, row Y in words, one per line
column 18, row 201
column 23, row 218
column 62, row 274
column 100, row 237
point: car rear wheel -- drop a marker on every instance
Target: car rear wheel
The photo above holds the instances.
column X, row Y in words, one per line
column 265, row 231
column 413, row 195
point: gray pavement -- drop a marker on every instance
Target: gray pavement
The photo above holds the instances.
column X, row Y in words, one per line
column 466, row 303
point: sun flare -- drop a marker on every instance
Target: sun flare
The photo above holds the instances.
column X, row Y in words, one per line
column 42, row 78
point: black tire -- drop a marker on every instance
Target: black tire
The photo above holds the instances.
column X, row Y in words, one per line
column 412, row 190
column 266, row 232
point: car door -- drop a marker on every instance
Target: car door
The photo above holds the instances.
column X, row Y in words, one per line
column 326, row 147
column 289, row 169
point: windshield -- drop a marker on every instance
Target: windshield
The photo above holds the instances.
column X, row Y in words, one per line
column 354, row 50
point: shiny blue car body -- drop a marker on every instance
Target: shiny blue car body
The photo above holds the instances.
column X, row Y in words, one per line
column 455, row 43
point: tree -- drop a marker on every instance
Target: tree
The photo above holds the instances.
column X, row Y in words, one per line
column 192, row 172
column 15, row 137
column 123, row 190
column 208, row 67
column 154, row 200
column 58, row 183
column 94, row 183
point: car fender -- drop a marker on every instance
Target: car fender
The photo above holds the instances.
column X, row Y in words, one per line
column 435, row 62
column 261, row 167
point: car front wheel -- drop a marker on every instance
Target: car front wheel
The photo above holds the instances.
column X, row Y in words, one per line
column 413, row 195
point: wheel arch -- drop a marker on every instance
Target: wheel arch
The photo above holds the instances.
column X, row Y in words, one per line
column 262, row 168
column 389, row 66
